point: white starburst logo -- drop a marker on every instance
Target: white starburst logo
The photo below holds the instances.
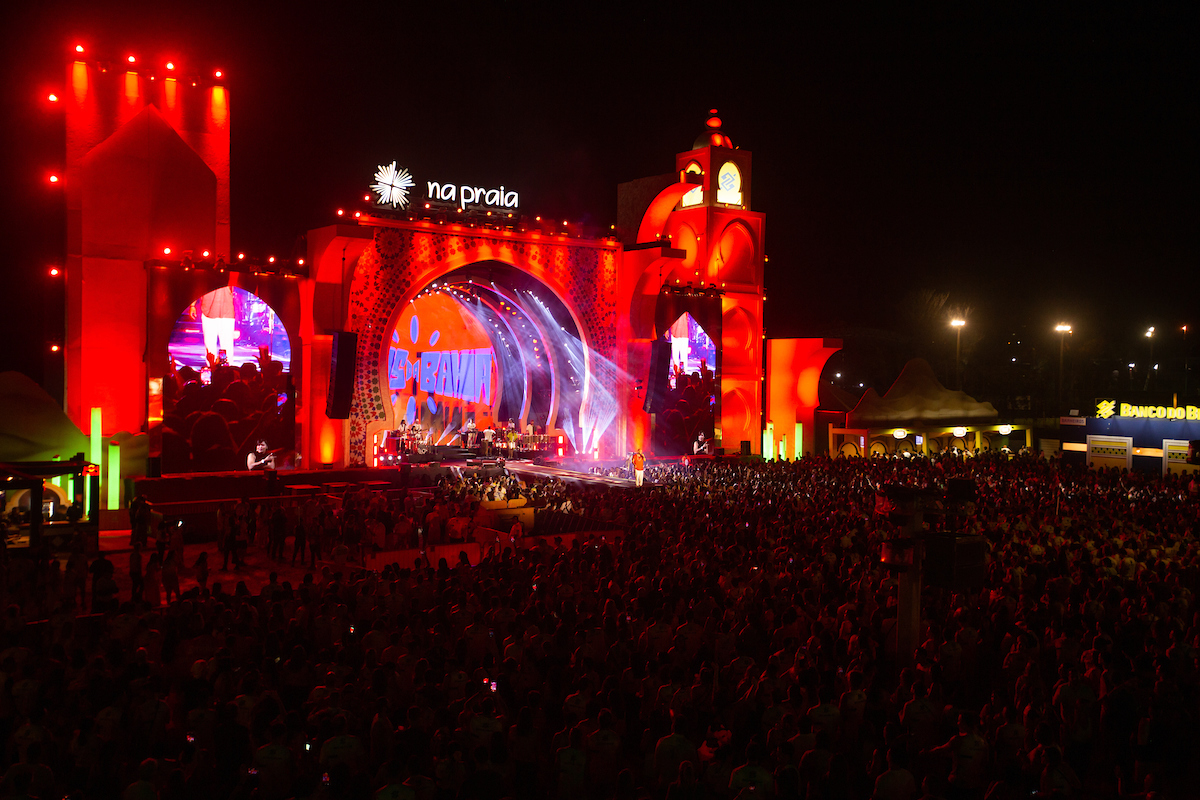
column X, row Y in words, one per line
column 392, row 185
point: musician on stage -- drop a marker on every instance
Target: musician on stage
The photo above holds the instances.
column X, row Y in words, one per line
column 472, row 434
column 260, row 459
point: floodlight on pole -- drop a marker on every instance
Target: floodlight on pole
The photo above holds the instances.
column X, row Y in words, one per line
column 957, row 324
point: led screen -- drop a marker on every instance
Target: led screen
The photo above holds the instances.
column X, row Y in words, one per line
column 227, row 400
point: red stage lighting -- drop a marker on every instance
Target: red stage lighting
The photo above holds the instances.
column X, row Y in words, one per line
column 357, row 214
column 170, row 65
column 78, row 48
column 367, row 197
column 53, row 348
column 241, row 256
column 340, row 212
column 166, row 251
column 54, row 179
column 270, row 259
column 132, row 59
column 204, row 253
column 300, row 261
column 53, row 98
column 55, row 272
column 218, row 73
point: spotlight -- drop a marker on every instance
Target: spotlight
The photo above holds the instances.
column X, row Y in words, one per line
column 78, row 48
column 300, row 262
column 270, row 259
column 55, row 272
column 54, row 348
column 357, row 214
column 170, row 65
column 218, row 73
column 204, row 253
column 132, row 59
column 367, row 197
column 166, row 251
column 241, row 256
column 53, row 98
column 340, row 212
column 54, row 179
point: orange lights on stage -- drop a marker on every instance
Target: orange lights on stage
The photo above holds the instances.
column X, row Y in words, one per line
column 166, row 251
column 53, row 98
column 218, row 73
column 270, row 259
column 170, row 65
column 132, row 60
column 55, row 272
column 54, row 179
column 54, row 348
column 241, row 256
column 204, row 253
column 341, row 212
column 78, row 48
column 367, row 198
column 357, row 214
column 300, row 261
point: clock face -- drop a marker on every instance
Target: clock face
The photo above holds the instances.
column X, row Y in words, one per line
column 729, row 184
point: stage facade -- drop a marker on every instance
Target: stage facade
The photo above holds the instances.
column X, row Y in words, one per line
column 468, row 311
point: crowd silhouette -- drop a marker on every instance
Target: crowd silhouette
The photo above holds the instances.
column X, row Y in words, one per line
column 734, row 639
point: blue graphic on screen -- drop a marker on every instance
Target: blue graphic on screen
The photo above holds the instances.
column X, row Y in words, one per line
column 692, row 350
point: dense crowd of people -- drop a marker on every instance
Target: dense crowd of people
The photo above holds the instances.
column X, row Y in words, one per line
column 735, row 639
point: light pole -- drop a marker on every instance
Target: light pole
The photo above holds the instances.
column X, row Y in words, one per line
column 1063, row 329
column 1185, row 364
column 957, row 324
column 1150, row 366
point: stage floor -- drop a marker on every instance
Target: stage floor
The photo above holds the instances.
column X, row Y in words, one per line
column 528, row 468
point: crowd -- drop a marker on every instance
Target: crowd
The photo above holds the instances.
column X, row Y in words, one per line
column 735, row 641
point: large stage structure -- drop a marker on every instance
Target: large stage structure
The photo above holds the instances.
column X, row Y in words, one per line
column 467, row 312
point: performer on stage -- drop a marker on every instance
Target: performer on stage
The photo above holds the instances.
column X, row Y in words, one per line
column 260, row 458
column 489, row 435
column 638, row 462
column 217, row 321
column 472, row 434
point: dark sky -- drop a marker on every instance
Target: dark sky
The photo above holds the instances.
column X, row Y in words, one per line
column 1037, row 163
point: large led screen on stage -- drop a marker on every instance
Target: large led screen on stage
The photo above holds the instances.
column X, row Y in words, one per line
column 687, row 424
column 228, row 401
column 441, row 367
column 229, row 325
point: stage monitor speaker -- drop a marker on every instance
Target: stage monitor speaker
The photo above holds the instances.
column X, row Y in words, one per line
column 341, row 375
column 656, row 385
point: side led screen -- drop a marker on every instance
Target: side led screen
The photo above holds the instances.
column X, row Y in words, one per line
column 228, row 401
column 687, row 425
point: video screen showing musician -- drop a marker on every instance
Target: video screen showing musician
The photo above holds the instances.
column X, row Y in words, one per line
column 702, row 445
column 262, row 458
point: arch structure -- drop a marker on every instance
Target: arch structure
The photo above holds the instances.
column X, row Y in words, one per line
column 404, row 261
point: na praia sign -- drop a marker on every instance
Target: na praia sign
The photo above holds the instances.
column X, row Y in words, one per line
column 392, row 184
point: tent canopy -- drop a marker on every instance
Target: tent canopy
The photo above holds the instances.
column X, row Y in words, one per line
column 917, row 398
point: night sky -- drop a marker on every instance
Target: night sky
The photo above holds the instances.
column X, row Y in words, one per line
column 1038, row 164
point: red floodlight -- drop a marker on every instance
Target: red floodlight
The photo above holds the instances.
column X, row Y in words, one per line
column 132, row 59
column 300, row 261
column 53, row 98
column 241, row 256
column 204, row 253
column 218, row 73
column 166, row 251
column 54, row 179
column 78, row 48
column 341, row 212
column 270, row 259
column 54, row 348
column 55, row 272
column 170, row 65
